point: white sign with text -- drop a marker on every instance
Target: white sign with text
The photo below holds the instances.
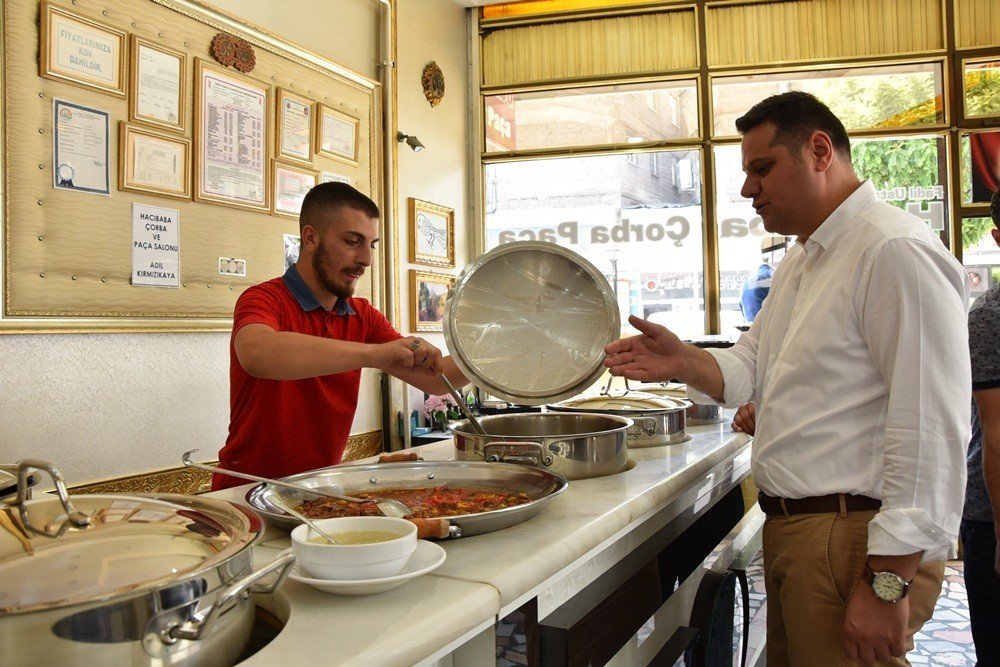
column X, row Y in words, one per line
column 156, row 252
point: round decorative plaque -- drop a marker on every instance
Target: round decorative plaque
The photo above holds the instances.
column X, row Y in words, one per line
column 246, row 59
column 224, row 49
column 433, row 82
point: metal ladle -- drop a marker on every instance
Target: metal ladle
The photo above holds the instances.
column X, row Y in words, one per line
column 304, row 519
column 461, row 403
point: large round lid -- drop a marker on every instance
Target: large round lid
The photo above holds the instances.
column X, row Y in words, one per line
column 528, row 321
column 133, row 543
column 633, row 401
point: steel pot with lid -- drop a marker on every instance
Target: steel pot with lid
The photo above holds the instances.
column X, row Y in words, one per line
column 127, row 580
column 527, row 322
column 657, row 420
column 697, row 413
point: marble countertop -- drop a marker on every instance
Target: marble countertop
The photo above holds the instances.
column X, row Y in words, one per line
column 489, row 574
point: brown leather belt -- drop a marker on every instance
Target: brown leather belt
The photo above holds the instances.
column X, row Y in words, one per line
column 834, row 503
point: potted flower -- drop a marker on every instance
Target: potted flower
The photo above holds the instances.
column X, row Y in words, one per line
column 439, row 409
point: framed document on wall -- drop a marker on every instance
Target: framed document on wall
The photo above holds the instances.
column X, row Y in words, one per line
column 294, row 127
column 80, row 51
column 153, row 163
column 337, row 135
column 232, row 138
column 432, row 234
column 157, row 85
column 291, row 184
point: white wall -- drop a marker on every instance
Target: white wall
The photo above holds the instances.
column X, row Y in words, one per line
column 100, row 405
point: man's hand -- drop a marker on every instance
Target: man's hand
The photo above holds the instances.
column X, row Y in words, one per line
column 745, row 420
column 654, row 356
column 409, row 353
column 874, row 630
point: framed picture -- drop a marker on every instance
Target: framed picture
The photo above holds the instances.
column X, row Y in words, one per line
column 291, row 184
column 428, row 292
column 80, row 51
column 293, row 243
column 337, row 135
column 432, row 234
column 294, row 127
column 232, row 138
column 334, row 177
column 157, row 85
column 153, row 163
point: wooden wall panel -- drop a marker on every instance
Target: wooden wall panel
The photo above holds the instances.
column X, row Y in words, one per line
column 89, row 236
column 977, row 24
column 806, row 30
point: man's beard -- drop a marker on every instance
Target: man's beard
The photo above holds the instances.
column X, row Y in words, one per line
column 326, row 276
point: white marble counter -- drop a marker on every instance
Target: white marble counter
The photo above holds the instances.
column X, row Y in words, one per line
column 577, row 537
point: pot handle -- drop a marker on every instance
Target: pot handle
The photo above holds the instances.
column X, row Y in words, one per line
column 524, row 453
column 643, row 424
column 24, row 467
column 199, row 628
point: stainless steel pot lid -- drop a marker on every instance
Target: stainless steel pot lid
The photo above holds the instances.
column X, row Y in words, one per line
column 633, row 401
column 528, row 321
column 133, row 544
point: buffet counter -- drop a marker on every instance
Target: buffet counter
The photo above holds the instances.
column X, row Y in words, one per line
column 448, row 616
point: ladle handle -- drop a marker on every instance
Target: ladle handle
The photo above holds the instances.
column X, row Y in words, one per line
column 461, row 404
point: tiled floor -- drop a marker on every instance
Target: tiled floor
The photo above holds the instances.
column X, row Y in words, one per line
column 944, row 641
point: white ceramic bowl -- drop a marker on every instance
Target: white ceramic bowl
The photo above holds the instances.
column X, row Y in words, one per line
column 355, row 562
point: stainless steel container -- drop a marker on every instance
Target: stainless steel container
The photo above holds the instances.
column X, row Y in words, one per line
column 540, row 485
column 658, row 420
column 697, row 414
column 576, row 446
column 127, row 580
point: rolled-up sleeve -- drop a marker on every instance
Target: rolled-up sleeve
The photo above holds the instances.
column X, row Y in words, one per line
column 912, row 310
column 738, row 366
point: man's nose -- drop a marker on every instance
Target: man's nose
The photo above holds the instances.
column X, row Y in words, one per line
column 750, row 188
column 365, row 256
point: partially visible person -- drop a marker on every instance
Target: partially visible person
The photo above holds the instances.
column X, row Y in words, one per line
column 755, row 289
column 299, row 343
column 745, row 419
column 981, row 514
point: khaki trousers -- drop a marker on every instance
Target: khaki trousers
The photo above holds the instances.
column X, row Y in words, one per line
column 811, row 564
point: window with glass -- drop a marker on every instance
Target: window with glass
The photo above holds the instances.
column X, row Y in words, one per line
column 594, row 116
column 980, row 255
column 642, row 230
column 886, row 96
column 981, row 87
column 980, row 166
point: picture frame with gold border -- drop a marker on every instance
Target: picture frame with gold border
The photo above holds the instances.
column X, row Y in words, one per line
column 427, row 309
column 280, row 149
column 348, row 151
column 431, row 225
column 49, row 66
column 135, row 43
column 202, row 68
column 280, row 206
column 128, row 137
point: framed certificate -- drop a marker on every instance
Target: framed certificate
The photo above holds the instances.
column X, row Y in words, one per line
column 80, row 51
column 153, row 163
column 291, row 184
column 157, row 85
column 294, row 127
column 232, row 138
column 334, row 177
column 337, row 135
column 80, row 148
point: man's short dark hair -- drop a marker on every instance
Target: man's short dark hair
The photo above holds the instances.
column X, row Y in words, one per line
column 796, row 115
column 995, row 208
column 327, row 197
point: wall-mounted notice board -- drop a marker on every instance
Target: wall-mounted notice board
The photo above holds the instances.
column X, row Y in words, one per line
column 146, row 183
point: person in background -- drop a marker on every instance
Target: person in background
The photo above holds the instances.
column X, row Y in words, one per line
column 755, row 289
column 862, row 386
column 981, row 515
column 299, row 343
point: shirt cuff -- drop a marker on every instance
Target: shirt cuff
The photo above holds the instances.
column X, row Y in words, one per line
column 900, row 532
column 738, row 387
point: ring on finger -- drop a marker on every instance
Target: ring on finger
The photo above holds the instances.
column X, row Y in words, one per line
column 414, row 345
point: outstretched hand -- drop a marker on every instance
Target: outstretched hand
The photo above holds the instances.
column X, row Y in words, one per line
column 656, row 355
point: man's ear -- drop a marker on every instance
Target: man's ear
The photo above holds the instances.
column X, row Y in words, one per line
column 821, row 150
column 309, row 238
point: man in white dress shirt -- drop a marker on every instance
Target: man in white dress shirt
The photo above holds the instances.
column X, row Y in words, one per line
column 859, row 368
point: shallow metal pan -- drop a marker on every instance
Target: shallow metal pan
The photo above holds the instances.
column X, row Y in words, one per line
column 540, row 485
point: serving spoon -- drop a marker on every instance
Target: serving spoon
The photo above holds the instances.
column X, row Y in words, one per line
column 461, row 403
column 387, row 506
column 304, row 519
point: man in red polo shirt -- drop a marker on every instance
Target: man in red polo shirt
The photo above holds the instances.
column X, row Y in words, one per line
column 299, row 343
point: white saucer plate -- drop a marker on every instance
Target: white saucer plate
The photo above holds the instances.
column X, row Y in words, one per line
column 427, row 557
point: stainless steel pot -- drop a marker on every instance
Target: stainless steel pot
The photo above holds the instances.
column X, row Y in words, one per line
column 697, row 414
column 127, row 580
column 658, row 420
column 576, row 446
column 540, row 485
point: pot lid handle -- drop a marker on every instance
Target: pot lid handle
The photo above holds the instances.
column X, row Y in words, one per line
column 607, row 388
column 24, row 466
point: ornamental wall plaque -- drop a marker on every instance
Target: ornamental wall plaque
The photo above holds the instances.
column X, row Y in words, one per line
column 433, row 82
column 245, row 57
column 224, row 49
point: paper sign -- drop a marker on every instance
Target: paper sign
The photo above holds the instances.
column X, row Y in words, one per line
column 155, row 246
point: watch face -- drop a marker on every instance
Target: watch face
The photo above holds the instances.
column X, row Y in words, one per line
column 888, row 586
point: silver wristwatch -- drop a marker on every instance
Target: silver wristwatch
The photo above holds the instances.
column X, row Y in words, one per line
column 888, row 587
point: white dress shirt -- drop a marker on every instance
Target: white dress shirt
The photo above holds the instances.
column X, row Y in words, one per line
column 859, row 365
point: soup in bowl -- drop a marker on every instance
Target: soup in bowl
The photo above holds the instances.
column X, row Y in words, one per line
column 369, row 547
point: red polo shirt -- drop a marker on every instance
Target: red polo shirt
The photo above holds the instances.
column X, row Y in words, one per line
column 283, row 427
